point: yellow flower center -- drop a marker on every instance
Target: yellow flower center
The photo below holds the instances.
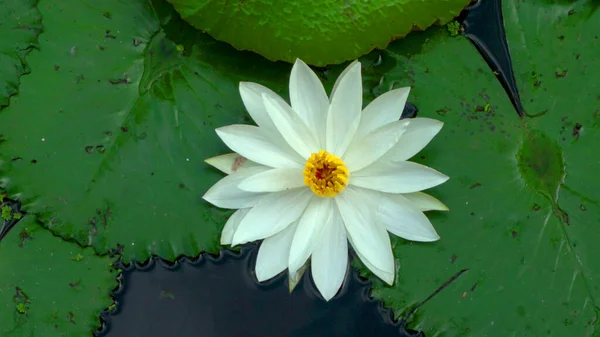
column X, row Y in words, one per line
column 325, row 174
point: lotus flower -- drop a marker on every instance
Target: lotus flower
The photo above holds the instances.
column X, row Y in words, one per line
column 322, row 172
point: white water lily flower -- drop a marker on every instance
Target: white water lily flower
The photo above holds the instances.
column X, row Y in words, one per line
column 320, row 173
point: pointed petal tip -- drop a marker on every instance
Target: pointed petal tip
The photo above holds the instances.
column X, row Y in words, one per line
column 262, row 276
column 299, row 61
column 355, row 64
column 389, row 279
column 327, row 297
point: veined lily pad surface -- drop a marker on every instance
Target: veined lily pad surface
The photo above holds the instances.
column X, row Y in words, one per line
column 319, row 32
column 103, row 144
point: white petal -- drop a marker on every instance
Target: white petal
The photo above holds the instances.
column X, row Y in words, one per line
column 232, row 224
column 426, row 202
column 308, row 99
column 329, row 260
column 344, row 112
column 273, row 254
column 230, row 162
column 294, row 279
column 252, row 143
column 226, row 194
column 291, row 127
column 397, row 177
column 385, row 109
column 403, row 218
column 419, row 133
column 252, row 97
column 273, row 212
column 308, row 233
column 362, row 152
column 342, row 75
column 368, row 235
column 274, row 180
column 385, row 275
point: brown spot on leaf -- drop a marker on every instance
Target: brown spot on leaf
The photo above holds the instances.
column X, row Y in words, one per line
column 453, row 258
column 442, row 112
column 561, row 73
column 108, row 35
column 24, row 236
column 475, row 186
column 119, row 81
column 474, row 286
column 576, row 130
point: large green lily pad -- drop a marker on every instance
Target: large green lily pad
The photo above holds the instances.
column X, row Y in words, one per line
column 109, row 132
column 49, row 287
column 524, row 204
column 318, row 32
column 20, row 25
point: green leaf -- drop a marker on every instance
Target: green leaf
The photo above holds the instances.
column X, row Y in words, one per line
column 6, row 213
column 43, row 292
column 523, row 197
column 318, row 32
column 109, row 133
column 20, row 25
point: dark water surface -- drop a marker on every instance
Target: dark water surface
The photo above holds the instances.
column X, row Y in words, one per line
column 220, row 297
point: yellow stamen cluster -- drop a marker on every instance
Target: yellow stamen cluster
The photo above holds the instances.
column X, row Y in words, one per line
column 325, row 174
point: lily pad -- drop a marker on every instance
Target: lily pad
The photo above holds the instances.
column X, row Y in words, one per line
column 108, row 135
column 49, row 287
column 20, row 25
column 318, row 32
column 523, row 198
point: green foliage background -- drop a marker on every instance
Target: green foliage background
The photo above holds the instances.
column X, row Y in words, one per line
column 108, row 109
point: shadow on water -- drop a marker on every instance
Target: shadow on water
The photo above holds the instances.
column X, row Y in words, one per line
column 219, row 297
